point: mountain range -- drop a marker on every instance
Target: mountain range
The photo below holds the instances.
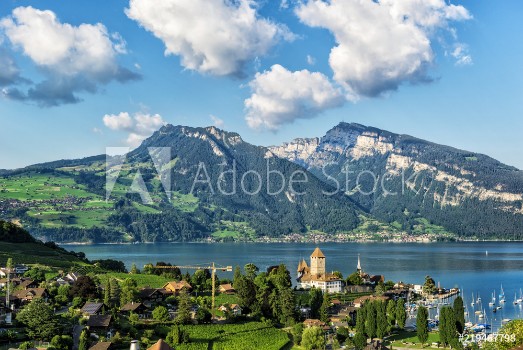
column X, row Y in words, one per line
column 189, row 184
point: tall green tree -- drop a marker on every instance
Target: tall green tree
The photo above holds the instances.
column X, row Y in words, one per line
column 40, row 320
column 129, row 291
column 115, row 291
column 447, row 327
column 360, row 339
column 382, row 326
column 459, row 313
column 370, row 320
column 391, row 313
column 422, row 325
column 246, row 291
column 313, row 338
column 184, row 308
column 324, row 309
column 251, row 270
column 237, row 275
column 316, row 299
column 287, row 306
column 401, row 314
column 84, row 340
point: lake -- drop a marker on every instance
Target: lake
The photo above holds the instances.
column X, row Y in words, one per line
column 475, row 267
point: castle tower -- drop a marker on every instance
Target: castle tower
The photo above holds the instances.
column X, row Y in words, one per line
column 317, row 262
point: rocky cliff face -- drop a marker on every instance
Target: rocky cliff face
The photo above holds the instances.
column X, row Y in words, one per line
column 435, row 181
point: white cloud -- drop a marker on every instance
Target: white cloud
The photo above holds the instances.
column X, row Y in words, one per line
column 461, row 54
column 280, row 96
column 73, row 58
column 217, row 121
column 139, row 126
column 216, row 37
column 380, row 44
column 311, row 60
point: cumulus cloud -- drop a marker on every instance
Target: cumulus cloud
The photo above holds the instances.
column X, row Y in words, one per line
column 72, row 58
column 215, row 37
column 380, row 44
column 139, row 126
column 280, row 96
column 9, row 72
column 461, row 54
column 218, row 122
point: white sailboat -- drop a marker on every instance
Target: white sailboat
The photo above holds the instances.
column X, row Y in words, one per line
column 502, row 295
column 472, row 303
column 515, row 299
column 520, row 299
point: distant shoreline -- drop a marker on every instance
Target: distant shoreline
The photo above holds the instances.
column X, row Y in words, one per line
column 291, row 242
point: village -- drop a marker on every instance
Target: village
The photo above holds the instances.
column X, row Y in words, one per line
column 161, row 308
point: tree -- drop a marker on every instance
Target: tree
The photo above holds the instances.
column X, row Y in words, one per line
column 84, row 287
column 129, row 290
column 355, row 279
column 360, row 340
column 338, row 274
column 287, row 306
column 183, row 315
column 313, row 338
column 246, row 291
column 379, row 290
column 447, row 327
column 251, row 270
column 177, row 336
column 401, row 314
column 134, row 269
column 342, row 333
column 237, row 275
column 382, row 326
column 115, row 291
column 35, row 274
column 422, row 325
column 62, row 342
column 370, row 320
column 84, row 340
column 316, row 299
column 430, row 286
column 391, row 313
column 161, row 314
column 297, row 333
column 324, row 309
column 203, row 315
column 40, row 320
column 459, row 313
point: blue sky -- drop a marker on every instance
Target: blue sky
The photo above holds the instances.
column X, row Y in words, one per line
column 79, row 76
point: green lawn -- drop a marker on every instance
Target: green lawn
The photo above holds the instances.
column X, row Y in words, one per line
column 142, row 280
column 410, row 340
column 33, row 186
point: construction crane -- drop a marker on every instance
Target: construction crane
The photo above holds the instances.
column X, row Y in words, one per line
column 212, row 267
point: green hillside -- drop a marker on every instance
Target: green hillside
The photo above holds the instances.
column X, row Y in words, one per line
column 18, row 244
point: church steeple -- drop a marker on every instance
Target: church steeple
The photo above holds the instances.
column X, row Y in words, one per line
column 358, row 268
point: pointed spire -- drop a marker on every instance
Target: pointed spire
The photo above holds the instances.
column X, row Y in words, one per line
column 359, row 264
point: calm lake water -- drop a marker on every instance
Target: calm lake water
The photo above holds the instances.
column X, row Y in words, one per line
column 475, row 267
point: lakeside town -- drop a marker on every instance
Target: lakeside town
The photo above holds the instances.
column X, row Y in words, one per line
column 165, row 307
